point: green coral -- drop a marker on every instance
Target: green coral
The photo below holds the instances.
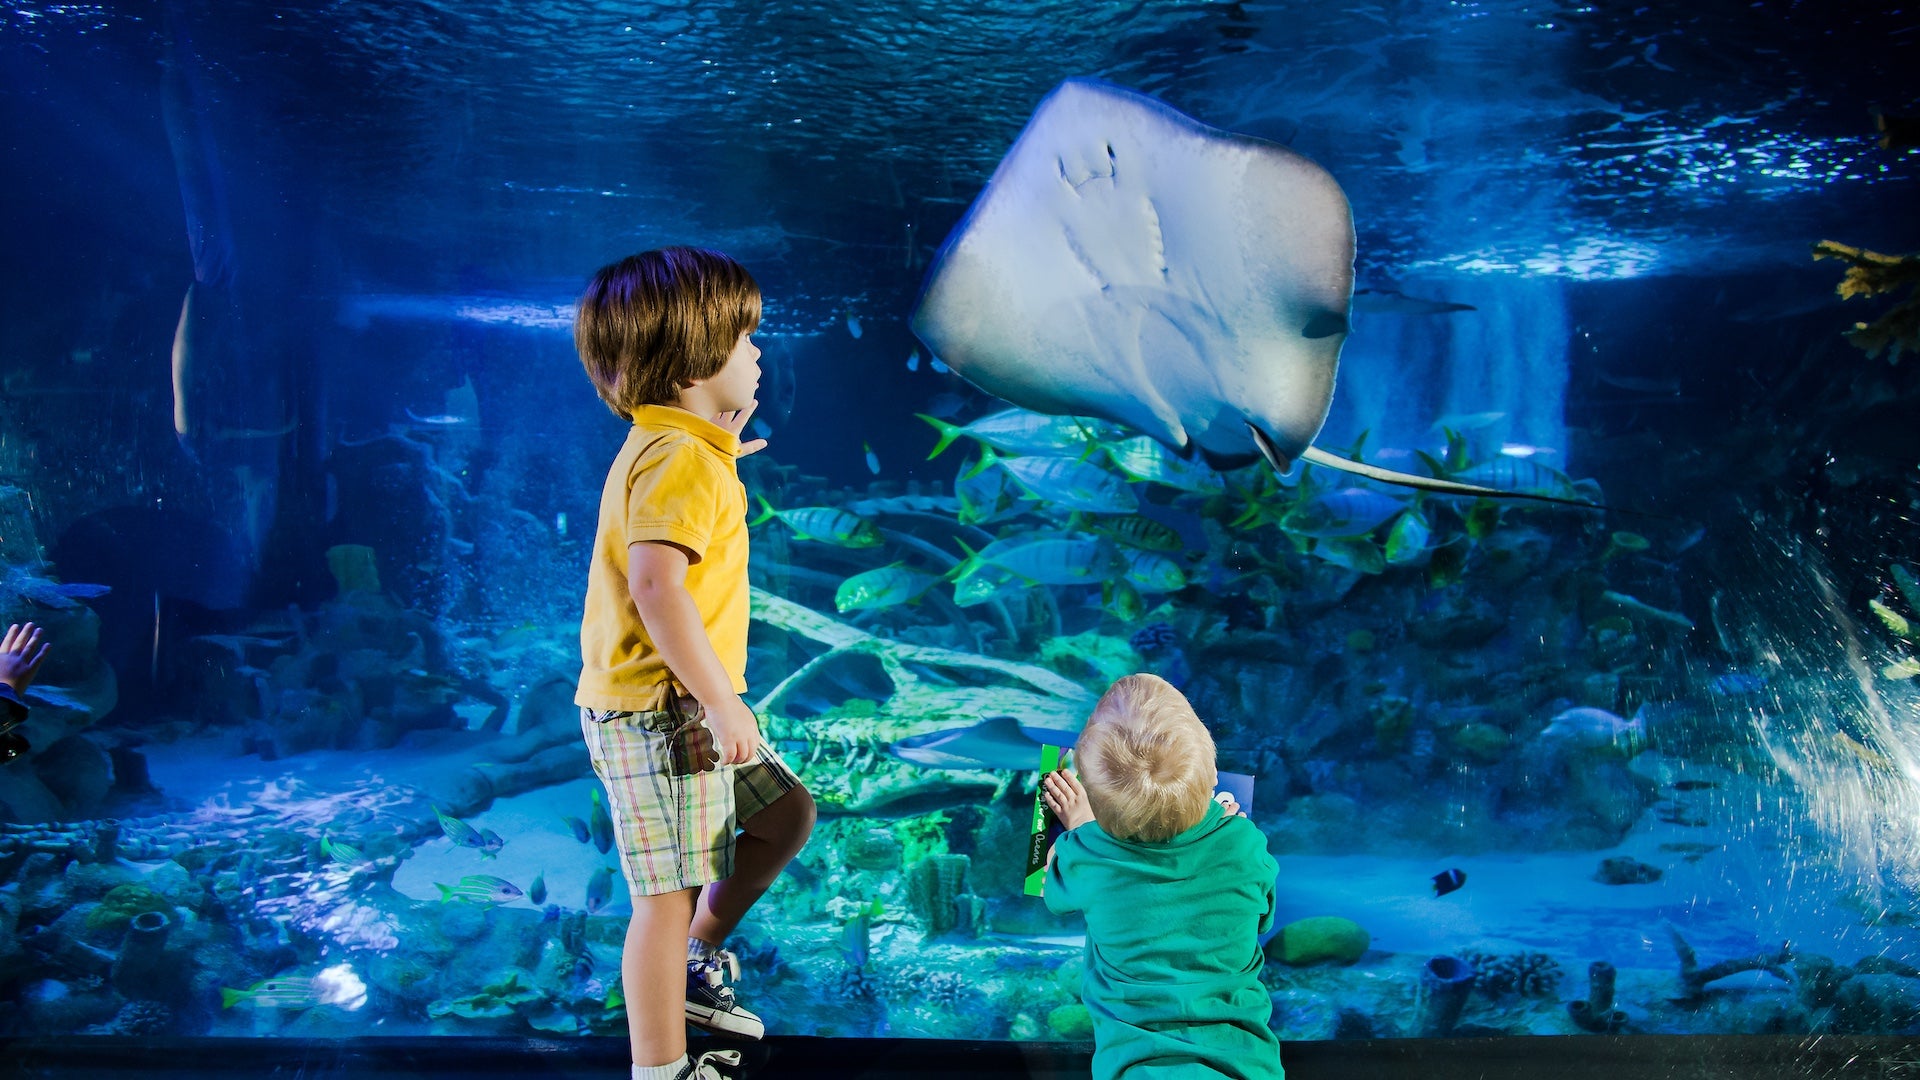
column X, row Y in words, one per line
column 922, row 836
column 1071, row 1022
column 1318, row 940
column 119, row 907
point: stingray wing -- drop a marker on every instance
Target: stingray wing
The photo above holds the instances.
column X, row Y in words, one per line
column 1128, row 262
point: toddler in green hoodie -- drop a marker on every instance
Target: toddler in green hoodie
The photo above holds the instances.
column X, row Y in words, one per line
column 1176, row 891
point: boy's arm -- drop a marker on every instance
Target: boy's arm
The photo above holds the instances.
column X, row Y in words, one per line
column 657, row 581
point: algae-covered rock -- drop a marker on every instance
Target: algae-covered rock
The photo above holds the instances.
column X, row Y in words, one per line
column 874, row 849
column 1071, row 1022
column 1484, row 743
column 1318, row 940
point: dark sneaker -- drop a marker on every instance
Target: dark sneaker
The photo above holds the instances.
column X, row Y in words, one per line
column 707, row 1065
column 710, row 1001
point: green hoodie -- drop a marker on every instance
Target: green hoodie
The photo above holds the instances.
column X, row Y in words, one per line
column 1173, row 948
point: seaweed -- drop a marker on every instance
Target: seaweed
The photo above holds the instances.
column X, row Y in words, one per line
column 1870, row 273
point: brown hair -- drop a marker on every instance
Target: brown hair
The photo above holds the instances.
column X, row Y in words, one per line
column 652, row 323
column 1146, row 761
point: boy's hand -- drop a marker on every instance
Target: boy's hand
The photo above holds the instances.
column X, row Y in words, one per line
column 736, row 732
column 20, row 655
column 1228, row 803
column 736, row 422
column 1066, row 798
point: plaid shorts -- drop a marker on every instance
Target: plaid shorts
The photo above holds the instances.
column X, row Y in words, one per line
column 675, row 812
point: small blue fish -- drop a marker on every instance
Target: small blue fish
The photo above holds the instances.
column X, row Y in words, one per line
column 599, row 889
column 537, row 892
column 935, row 363
column 853, row 325
column 490, row 843
column 600, row 824
column 578, row 828
column 1447, row 881
column 873, row 459
column 913, row 360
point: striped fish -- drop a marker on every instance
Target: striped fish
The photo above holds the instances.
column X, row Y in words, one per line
column 1144, row 458
column 823, row 523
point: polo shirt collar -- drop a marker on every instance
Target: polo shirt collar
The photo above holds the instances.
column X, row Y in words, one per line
column 672, row 416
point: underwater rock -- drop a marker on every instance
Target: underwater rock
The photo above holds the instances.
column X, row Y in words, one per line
column 1392, row 720
column 353, row 568
column 1624, row 870
column 1303, row 1014
column 1319, row 939
column 1876, row 1005
column 1817, row 980
column 78, row 773
column 874, row 849
column 143, row 1019
column 1483, row 743
column 1512, row 555
column 1454, row 618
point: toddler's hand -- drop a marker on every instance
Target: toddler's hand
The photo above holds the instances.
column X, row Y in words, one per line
column 1066, row 798
column 736, row 732
column 736, row 422
column 1228, row 803
column 20, row 655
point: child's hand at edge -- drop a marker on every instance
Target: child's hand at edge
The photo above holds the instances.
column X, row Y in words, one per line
column 736, row 732
column 1064, row 796
column 21, row 653
column 736, row 422
column 1229, row 803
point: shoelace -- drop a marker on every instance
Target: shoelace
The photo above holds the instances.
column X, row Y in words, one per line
column 713, row 1059
column 710, row 969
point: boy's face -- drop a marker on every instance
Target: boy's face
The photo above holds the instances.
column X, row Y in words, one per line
column 733, row 386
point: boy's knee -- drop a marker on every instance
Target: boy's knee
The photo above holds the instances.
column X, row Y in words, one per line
column 787, row 822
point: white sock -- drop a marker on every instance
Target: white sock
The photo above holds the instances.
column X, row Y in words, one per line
column 670, row 1071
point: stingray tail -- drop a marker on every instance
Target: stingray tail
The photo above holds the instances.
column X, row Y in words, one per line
column 1428, row 483
column 1281, row 464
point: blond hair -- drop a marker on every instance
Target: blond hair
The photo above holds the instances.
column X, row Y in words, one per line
column 1146, row 761
column 653, row 323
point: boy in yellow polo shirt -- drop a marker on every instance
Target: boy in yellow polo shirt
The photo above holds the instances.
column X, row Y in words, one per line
column 705, row 814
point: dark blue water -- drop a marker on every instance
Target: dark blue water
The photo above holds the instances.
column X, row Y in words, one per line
column 348, row 590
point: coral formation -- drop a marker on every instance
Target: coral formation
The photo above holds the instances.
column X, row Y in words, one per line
column 1525, row 973
column 1319, row 939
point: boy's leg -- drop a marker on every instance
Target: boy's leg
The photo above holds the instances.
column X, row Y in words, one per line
column 652, row 976
column 768, row 841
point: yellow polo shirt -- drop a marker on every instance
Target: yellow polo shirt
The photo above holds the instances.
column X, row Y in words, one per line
column 673, row 480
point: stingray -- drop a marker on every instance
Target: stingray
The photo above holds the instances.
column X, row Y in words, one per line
column 1128, row 262
column 999, row 742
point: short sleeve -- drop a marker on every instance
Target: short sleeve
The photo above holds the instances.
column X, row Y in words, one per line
column 671, row 497
column 1059, row 897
